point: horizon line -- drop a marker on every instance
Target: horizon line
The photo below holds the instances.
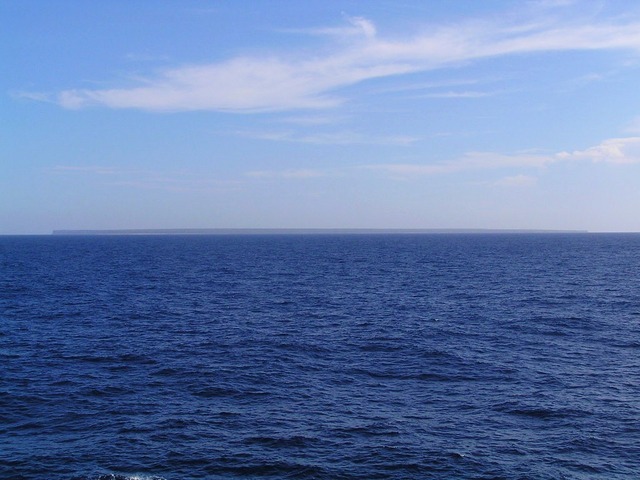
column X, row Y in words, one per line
column 299, row 231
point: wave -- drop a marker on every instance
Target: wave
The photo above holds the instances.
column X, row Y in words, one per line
column 116, row 476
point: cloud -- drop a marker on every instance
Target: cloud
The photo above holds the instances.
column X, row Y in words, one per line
column 517, row 181
column 330, row 138
column 470, row 161
column 356, row 27
column 312, row 120
column 462, row 94
column 614, row 150
column 38, row 96
column 553, row 3
column 288, row 174
column 366, row 27
column 307, row 81
column 176, row 184
column 420, row 87
column 241, row 84
column 624, row 150
column 92, row 169
column 171, row 181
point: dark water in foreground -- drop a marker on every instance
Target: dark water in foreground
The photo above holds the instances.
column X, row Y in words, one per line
column 320, row 357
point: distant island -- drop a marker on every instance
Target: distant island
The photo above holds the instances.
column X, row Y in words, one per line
column 299, row 231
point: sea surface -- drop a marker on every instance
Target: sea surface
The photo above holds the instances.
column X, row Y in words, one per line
column 442, row 356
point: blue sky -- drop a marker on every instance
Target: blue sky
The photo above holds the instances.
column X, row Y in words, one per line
column 325, row 114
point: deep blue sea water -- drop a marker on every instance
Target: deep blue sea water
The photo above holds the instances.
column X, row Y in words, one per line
column 502, row 356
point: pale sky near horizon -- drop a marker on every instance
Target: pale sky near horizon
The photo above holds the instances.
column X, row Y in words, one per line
column 319, row 114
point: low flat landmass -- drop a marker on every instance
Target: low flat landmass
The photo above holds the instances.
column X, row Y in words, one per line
column 297, row 231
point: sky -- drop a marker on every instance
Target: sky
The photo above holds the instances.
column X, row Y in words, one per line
column 495, row 114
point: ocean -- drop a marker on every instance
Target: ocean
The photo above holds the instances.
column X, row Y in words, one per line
column 388, row 356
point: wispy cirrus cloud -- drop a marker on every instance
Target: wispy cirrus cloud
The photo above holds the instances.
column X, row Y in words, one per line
column 330, row 138
column 92, row 169
column 288, row 174
column 312, row 120
column 178, row 184
column 458, row 94
column 146, row 179
column 242, row 84
column 303, row 80
column 624, row 150
column 354, row 27
column 470, row 161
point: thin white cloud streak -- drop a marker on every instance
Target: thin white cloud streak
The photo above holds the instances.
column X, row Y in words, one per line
column 425, row 86
column 35, row 96
column 178, row 185
column 252, row 84
column 171, row 181
column 288, row 174
column 357, row 26
column 554, row 3
column 470, row 161
column 462, row 94
column 613, row 151
column 92, row 169
column 312, row 120
column 330, row 138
